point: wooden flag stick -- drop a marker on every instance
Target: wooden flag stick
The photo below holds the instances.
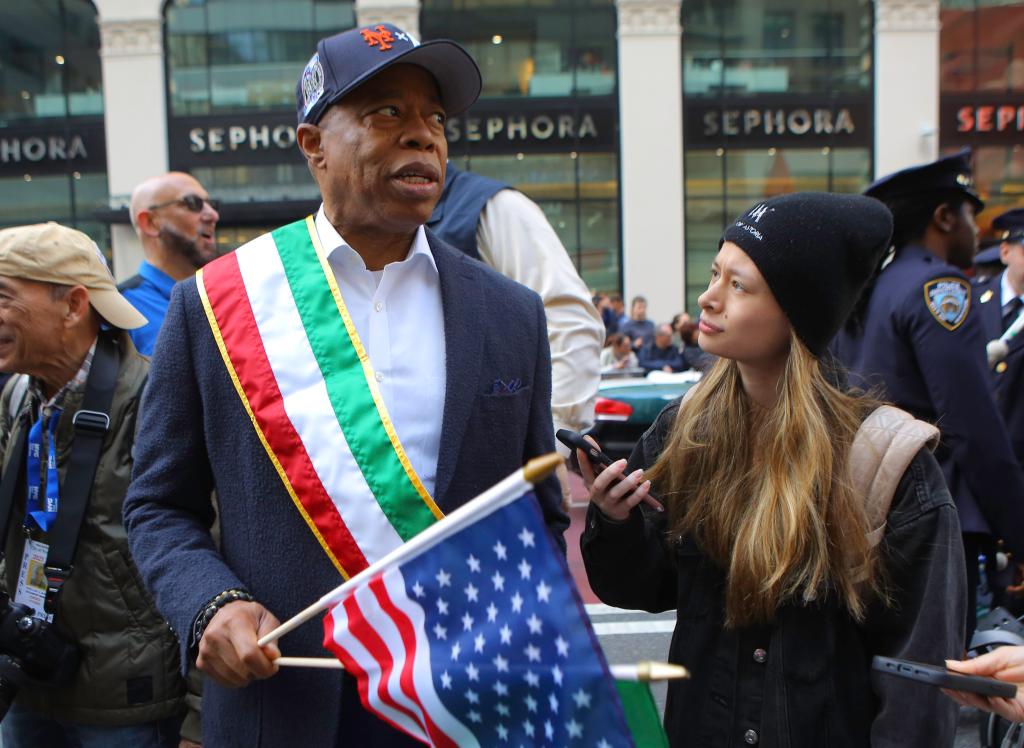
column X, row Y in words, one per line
column 642, row 671
column 492, row 499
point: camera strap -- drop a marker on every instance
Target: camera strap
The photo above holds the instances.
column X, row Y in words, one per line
column 91, row 423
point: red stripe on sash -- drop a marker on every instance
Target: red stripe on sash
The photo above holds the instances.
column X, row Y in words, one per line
column 226, row 292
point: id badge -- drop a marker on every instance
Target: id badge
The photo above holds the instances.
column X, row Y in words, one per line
column 32, row 578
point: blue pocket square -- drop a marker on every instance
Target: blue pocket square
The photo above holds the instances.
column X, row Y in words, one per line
column 501, row 387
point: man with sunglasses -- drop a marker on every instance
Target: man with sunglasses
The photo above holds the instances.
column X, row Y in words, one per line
column 175, row 220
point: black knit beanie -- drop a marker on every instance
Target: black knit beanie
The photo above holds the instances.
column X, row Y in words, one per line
column 816, row 251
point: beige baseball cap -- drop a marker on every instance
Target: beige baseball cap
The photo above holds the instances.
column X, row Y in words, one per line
column 53, row 253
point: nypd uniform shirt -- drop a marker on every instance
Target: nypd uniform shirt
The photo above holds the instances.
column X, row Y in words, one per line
column 992, row 295
column 922, row 347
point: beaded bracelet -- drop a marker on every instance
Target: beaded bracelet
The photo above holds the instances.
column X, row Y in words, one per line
column 210, row 610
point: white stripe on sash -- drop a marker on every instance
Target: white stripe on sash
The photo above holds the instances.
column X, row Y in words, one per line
column 305, row 398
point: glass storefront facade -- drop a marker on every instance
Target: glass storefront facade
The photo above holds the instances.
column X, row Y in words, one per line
column 52, row 148
column 982, row 95
column 547, row 120
column 777, row 98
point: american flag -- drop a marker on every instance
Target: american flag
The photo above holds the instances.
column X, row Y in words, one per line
column 481, row 640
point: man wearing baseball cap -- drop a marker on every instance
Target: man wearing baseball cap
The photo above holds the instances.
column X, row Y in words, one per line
column 342, row 382
column 67, row 425
column 917, row 338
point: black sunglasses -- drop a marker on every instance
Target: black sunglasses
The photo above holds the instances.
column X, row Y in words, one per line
column 193, row 203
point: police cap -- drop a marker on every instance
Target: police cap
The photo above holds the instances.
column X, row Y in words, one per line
column 1009, row 226
column 948, row 174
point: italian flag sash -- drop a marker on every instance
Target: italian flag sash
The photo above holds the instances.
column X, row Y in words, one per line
column 306, row 382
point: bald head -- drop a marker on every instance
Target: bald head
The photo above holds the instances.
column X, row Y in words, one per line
column 162, row 189
column 175, row 222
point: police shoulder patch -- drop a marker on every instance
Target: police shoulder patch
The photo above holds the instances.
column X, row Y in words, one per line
column 948, row 300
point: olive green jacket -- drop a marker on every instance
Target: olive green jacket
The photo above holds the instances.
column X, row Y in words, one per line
column 129, row 671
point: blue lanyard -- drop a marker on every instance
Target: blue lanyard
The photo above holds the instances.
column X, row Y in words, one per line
column 38, row 514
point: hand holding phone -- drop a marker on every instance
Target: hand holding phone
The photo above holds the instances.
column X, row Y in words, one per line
column 613, row 499
column 1004, row 663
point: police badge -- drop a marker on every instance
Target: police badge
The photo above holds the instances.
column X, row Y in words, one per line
column 948, row 300
column 312, row 83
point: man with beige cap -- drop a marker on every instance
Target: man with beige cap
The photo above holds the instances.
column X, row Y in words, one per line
column 67, row 425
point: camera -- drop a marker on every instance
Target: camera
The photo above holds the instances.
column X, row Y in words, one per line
column 31, row 651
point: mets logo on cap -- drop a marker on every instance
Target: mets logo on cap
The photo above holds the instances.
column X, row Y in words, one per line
column 948, row 300
column 312, row 82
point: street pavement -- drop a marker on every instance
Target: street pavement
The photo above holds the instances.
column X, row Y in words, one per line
column 631, row 636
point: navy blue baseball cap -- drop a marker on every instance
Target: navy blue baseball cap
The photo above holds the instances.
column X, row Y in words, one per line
column 949, row 174
column 1009, row 226
column 344, row 61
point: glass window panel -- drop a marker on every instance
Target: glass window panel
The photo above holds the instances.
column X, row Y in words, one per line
column 258, row 182
column 551, row 50
column 776, row 46
column 1000, row 58
column 231, row 55
column 49, row 60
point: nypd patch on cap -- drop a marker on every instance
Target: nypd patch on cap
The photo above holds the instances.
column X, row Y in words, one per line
column 344, row 61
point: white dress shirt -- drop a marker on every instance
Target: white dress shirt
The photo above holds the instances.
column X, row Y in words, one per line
column 1006, row 291
column 515, row 238
column 398, row 314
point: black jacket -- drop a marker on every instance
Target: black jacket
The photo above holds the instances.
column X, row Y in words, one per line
column 804, row 680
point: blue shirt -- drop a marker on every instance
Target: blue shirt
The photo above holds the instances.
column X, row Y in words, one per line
column 150, row 293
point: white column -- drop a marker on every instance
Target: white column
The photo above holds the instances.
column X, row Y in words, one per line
column 651, row 153
column 131, row 53
column 906, row 83
column 405, row 14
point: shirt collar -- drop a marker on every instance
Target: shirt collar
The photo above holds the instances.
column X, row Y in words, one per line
column 333, row 243
column 163, row 282
column 1006, row 292
column 74, row 385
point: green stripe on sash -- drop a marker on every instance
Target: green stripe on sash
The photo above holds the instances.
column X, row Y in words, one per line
column 347, row 388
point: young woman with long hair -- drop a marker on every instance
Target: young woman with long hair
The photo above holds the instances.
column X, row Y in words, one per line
column 765, row 545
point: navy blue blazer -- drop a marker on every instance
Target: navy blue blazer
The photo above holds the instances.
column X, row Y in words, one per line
column 195, row 437
column 1007, row 380
column 935, row 369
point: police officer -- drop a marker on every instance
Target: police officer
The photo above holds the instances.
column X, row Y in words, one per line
column 1000, row 301
column 916, row 340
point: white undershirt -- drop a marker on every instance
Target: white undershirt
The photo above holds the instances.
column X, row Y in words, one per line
column 1007, row 292
column 398, row 314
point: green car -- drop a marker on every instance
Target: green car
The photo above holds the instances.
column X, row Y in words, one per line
column 628, row 403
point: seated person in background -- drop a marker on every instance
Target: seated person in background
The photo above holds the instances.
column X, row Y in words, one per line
column 661, row 353
column 694, row 357
column 618, row 355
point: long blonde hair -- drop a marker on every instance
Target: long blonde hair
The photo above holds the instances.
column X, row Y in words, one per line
column 766, row 492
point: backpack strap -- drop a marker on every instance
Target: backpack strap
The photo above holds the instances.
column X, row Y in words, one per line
column 883, row 448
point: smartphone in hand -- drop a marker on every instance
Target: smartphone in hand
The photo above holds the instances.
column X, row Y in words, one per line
column 574, row 440
column 940, row 677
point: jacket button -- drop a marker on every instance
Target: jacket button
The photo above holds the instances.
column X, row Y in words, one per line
column 760, row 656
column 750, row 737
